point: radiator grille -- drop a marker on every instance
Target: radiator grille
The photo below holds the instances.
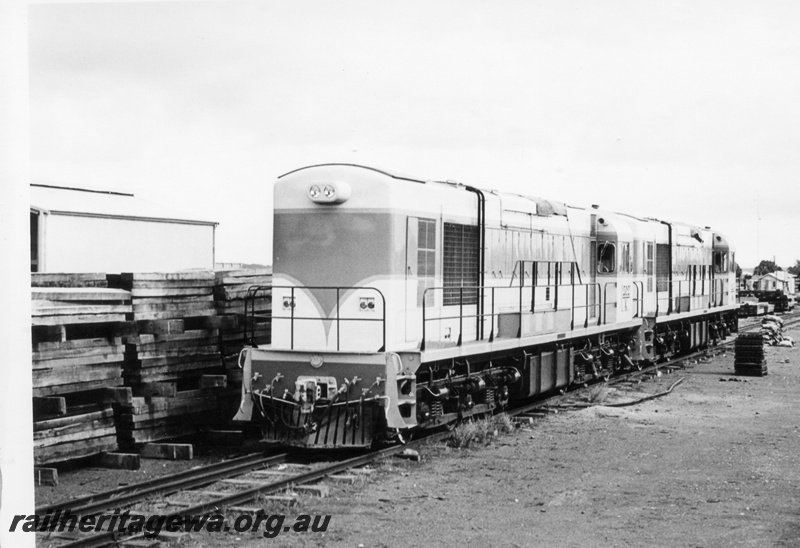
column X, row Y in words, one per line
column 460, row 263
column 662, row 267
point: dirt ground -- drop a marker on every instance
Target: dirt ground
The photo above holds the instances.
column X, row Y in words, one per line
column 714, row 464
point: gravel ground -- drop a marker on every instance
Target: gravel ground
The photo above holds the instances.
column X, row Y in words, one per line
column 714, row 463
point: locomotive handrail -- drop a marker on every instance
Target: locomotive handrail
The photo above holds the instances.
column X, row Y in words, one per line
column 639, row 300
column 250, row 315
column 481, row 317
column 686, row 298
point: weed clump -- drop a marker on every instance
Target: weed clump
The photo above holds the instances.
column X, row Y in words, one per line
column 480, row 432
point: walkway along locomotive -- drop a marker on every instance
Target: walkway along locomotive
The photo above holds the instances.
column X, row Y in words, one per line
column 402, row 304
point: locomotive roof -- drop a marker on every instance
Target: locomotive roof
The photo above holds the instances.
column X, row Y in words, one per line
column 545, row 207
column 381, row 171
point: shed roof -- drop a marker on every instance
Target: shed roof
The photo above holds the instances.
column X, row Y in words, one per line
column 780, row 275
column 64, row 200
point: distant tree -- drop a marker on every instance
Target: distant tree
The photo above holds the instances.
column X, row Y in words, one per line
column 794, row 270
column 766, row 267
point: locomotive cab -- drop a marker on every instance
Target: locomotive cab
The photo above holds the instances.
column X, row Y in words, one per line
column 614, row 268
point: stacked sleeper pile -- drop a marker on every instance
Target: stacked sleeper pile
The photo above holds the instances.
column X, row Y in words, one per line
column 77, row 355
column 749, row 357
column 166, row 362
column 231, row 287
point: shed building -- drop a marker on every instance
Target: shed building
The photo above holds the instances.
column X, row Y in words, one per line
column 83, row 230
column 779, row 280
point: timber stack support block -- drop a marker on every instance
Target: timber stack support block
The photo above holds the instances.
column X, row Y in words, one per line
column 45, row 476
column 170, row 451
column 120, row 461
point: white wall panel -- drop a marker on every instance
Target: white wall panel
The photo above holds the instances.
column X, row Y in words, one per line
column 97, row 244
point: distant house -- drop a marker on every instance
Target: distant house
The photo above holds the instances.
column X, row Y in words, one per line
column 779, row 280
column 82, row 230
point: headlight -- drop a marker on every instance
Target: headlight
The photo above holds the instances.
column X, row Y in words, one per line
column 329, row 193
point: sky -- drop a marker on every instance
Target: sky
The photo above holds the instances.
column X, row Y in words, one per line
column 679, row 110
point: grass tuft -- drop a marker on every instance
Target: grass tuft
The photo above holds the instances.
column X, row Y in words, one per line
column 480, row 432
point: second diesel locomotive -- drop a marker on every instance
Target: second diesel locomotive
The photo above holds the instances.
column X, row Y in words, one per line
column 402, row 304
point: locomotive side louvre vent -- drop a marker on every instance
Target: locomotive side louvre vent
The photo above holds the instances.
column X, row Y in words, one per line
column 662, row 267
column 460, row 264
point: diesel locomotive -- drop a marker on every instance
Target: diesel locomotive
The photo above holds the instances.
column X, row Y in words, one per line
column 403, row 304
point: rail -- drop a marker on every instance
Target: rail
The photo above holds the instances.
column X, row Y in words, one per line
column 290, row 303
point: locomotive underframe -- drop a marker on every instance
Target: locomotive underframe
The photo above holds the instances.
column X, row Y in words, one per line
column 455, row 389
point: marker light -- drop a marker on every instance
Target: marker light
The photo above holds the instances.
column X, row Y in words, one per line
column 329, row 193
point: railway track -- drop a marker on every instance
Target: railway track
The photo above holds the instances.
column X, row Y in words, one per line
column 264, row 479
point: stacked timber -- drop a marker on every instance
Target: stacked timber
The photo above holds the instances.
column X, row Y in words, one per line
column 77, row 333
column 176, row 347
column 71, row 432
column 166, row 351
column 163, row 412
column 749, row 357
column 168, row 295
column 231, row 287
column 72, row 280
column 177, row 327
column 253, row 319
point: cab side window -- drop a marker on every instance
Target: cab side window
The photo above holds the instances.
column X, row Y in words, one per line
column 606, row 257
column 720, row 262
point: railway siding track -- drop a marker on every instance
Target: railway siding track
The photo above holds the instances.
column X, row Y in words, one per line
column 227, row 484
